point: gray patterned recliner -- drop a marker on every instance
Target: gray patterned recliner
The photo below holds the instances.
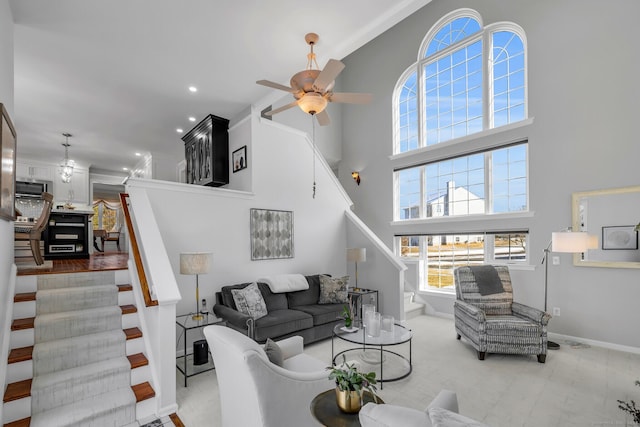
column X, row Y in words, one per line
column 487, row 317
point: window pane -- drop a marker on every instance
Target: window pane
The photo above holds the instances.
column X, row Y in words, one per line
column 409, row 193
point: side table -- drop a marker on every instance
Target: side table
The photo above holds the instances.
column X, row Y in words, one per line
column 325, row 409
column 184, row 363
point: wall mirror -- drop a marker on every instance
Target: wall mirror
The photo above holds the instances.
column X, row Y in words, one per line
column 612, row 216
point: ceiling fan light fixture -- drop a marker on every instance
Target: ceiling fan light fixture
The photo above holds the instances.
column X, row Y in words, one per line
column 312, row 103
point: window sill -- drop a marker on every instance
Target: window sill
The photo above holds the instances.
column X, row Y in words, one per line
column 463, row 218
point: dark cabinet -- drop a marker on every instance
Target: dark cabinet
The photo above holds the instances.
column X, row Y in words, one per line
column 66, row 236
column 206, row 150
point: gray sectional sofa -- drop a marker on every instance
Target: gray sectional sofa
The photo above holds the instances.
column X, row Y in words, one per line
column 289, row 313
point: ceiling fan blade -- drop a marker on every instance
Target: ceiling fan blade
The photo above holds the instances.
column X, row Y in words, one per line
column 327, row 75
column 351, row 98
column 323, row 118
column 281, row 109
column 276, row 86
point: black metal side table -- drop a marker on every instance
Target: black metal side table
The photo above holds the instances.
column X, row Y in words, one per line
column 184, row 363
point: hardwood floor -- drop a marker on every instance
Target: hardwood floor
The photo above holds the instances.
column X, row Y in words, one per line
column 96, row 262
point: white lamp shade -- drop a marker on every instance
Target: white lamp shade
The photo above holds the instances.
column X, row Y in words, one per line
column 357, row 254
column 195, row 262
column 571, row 241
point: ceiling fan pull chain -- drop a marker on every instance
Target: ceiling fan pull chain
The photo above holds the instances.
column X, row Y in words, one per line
column 313, row 126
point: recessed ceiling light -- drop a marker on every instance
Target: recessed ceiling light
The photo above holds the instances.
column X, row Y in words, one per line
column 193, row 89
column 138, row 154
column 125, row 169
column 192, row 119
column 179, row 130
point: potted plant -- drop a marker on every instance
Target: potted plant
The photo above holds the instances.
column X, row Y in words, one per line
column 631, row 407
column 351, row 385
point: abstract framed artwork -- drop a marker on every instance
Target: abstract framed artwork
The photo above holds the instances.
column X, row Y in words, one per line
column 8, row 172
column 619, row 237
column 271, row 234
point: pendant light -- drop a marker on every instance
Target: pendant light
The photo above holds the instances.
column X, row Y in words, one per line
column 66, row 165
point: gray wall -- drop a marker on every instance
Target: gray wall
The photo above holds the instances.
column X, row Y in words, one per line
column 584, row 98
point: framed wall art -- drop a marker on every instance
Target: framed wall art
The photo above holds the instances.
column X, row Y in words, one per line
column 239, row 159
column 8, row 173
column 271, row 234
column 619, row 237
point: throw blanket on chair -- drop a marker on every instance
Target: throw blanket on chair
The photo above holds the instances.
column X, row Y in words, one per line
column 487, row 279
column 286, row 283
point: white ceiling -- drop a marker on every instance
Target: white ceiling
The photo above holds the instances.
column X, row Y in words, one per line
column 115, row 73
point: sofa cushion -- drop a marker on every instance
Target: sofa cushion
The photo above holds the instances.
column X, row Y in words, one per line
column 333, row 290
column 308, row 296
column 272, row 301
column 281, row 322
column 322, row 313
column 249, row 301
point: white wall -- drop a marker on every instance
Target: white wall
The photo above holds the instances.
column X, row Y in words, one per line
column 584, row 137
column 7, row 269
column 194, row 218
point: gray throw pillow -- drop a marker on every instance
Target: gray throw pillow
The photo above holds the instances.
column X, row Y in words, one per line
column 249, row 301
column 274, row 352
column 333, row 290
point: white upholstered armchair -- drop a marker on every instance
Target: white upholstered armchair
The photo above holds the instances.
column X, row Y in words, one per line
column 255, row 392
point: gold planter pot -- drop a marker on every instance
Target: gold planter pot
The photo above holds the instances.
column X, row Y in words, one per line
column 348, row 401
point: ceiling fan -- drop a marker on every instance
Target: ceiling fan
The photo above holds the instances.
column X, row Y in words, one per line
column 312, row 88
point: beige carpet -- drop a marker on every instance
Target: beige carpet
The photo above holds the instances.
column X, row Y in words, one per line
column 578, row 386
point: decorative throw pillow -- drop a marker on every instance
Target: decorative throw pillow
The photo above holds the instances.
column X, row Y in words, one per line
column 274, row 352
column 333, row 290
column 441, row 417
column 249, row 301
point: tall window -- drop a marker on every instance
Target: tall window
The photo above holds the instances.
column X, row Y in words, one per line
column 469, row 78
column 458, row 87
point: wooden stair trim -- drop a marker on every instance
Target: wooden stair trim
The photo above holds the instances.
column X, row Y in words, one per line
column 175, row 419
column 21, row 324
column 143, row 391
column 128, row 309
column 17, row 390
column 137, row 360
column 24, row 297
column 132, row 333
column 25, row 422
column 125, row 288
column 20, row 354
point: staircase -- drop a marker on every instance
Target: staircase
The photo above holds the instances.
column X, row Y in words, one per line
column 76, row 353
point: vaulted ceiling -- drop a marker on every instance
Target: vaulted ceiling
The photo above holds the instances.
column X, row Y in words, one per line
column 116, row 73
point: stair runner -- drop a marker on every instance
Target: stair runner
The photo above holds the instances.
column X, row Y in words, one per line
column 81, row 374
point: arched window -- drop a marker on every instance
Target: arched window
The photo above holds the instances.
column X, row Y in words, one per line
column 468, row 78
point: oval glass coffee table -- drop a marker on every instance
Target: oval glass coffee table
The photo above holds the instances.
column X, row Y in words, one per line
column 374, row 353
column 325, row 409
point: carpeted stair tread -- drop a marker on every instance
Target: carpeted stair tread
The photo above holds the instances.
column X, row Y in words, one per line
column 68, row 324
column 137, row 360
column 17, row 390
column 21, row 324
column 64, row 387
column 20, row 354
column 116, row 408
column 76, row 298
column 77, row 351
column 24, row 297
column 143, row 391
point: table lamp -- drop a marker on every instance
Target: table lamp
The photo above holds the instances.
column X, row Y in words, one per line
column 565, row 242
column 357, row 255
column 196, row 263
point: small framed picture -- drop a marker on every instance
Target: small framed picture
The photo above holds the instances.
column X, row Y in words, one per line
column 619, row 237
column 239, row 159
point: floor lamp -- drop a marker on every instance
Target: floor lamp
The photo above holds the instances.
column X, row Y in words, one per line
column 357, row 255
column 196, row 263
column 565, row 242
